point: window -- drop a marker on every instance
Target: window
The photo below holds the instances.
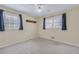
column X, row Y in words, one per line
column 53, row 22
column 48, row 23
column 11, row 21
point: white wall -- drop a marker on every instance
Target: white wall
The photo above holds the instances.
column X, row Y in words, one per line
column 12, row 37
column 71, row 36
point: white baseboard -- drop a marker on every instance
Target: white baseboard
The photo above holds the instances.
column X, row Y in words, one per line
column 60, row 42
column 13, row 43
column 17, row 42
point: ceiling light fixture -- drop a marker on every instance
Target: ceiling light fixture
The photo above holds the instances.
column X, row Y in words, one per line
column 39, row 7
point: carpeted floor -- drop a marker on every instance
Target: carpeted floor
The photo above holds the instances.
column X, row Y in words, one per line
column 39, row 46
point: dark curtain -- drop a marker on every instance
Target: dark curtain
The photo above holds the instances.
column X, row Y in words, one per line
column 64, row 26
column 44, row 23
column 1, row 21
column 21, row 22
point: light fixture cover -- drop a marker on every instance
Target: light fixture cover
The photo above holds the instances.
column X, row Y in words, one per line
column 39, row 7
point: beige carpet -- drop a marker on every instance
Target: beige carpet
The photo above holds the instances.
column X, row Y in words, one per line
column 39, row 46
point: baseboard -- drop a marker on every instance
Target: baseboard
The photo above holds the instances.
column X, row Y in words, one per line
column 60, row 42
column 14, row 43
column 17, row 42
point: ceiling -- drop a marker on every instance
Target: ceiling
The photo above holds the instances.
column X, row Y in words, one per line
column 47, row 9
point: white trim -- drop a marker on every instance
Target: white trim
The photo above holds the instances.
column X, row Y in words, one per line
column 60, row 42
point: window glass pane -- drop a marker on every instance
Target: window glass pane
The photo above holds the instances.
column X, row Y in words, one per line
column 54, row 22
column 49, row 23
column 11, row 21
column 57, row 21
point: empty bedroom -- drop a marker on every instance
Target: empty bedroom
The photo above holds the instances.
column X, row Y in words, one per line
column 39, row 28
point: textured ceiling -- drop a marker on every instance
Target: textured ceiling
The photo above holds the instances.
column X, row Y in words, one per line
column 47, row 9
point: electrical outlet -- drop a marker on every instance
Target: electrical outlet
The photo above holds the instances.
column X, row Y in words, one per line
column 53, row 37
